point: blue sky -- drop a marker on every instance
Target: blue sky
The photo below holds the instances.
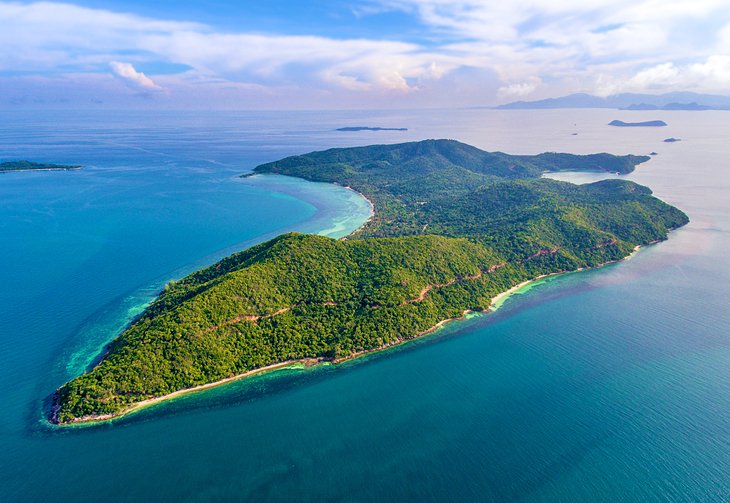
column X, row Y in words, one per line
column 355, row 53
column 330, row 18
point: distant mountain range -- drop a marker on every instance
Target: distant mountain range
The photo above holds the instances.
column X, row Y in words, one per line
column 368, row 128
column 629, row 101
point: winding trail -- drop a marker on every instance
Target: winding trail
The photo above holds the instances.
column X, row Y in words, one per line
column 422, row 296
column 94, row 419
column 254, row 318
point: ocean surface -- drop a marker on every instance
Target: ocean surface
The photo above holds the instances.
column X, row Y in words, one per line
column 606, row 385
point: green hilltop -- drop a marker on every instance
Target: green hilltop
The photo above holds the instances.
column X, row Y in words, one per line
column 453, row 227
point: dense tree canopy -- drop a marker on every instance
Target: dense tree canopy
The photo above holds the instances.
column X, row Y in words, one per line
column 454, row 226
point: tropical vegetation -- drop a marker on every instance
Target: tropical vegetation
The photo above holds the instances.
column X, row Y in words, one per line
column 453, row 227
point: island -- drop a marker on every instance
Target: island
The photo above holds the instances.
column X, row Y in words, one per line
column 694, row 106
column 671, row 140
column 367, row 128
column 619, row 123
column 627, row 101
column 9, row 166
column 453, row 228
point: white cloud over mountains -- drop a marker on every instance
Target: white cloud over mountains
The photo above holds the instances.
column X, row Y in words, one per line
column 712, row 73
column 519, row 89
column 517, row 49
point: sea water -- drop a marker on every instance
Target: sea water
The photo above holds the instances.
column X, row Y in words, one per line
column 605, row 385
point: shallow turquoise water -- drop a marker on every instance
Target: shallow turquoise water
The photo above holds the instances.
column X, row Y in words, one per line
column 608, row 385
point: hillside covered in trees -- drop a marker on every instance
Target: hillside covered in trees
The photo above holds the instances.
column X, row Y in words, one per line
column 453, row 227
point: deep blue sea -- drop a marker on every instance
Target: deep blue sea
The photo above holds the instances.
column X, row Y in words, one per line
column 606, row 385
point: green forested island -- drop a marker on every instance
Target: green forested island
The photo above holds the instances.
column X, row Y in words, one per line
column 33, row 166
column 453, row 227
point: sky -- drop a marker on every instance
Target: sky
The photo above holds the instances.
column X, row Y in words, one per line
column 290, row 54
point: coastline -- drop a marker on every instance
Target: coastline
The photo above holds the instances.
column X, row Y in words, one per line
column 27, row 170
column 353, row 209
column 372, row 210
column 496, row 303
column 137, row 406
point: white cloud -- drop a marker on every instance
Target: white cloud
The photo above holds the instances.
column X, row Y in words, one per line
column 129, row 75
column 535, row 48
column 579, row 42
column 715, row 71
column 711, row 75
column 519, row 89
column 37, row 36
column 41, row 36
column 665, row 74
column 724, row 37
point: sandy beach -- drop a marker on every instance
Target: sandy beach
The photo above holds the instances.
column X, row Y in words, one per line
column 135, row 407
column 372, row 209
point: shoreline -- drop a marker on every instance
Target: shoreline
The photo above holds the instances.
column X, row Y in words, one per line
column 27, row 170
column 336, row 228
column 137, row 406
column 52, row 418
column 495, row 303
column 372, row 209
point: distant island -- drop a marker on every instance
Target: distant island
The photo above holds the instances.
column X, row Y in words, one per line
column 33, row 166
column 618, row 123
column 628, row 101
column 671, row 140
column 367, row 128
column 669, row 106
column 454, row 228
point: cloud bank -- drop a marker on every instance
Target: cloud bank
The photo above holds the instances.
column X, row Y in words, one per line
column 531, row 50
